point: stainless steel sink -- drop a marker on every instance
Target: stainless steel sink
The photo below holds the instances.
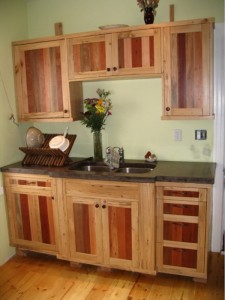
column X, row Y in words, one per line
column 133, row 170
column 100, row 166
column 91, row 168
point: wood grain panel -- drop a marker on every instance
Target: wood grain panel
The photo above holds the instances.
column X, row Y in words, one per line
column 120, row 232
column 121, row 53
column 45, row 228
column 180, row 231
column 83, row 222
column 180, row 257
column 136, row 46
column 181, row 53
column 25, row 217
column 151, row 51
column 198, row 69
column 180, row 209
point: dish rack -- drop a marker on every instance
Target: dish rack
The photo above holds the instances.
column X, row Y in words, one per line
column 45, row 156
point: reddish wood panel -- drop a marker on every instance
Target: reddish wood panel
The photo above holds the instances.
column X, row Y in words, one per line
column 44, row 84
column 121, row 53
column 120, row 232
column 151, row 51
column 89, row 57
column 84, row 224
column 136, row 52
column 180, row 257
column 24, row 207
column 45, row 229
column 186, row 66
column 180, row 209
column 180, row 231
column 175, row 193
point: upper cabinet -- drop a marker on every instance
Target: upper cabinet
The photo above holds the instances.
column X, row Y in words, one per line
column 42, row 85
column 187, row 76
column 49, row 72
column 130, row 52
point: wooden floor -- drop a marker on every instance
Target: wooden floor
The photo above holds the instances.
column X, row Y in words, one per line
column 43, row 277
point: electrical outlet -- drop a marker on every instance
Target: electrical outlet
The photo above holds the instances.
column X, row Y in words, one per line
column 177, row 135
column 201, row 134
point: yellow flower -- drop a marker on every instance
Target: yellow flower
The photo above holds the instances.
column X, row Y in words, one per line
column 100, row 109
column 99, row 102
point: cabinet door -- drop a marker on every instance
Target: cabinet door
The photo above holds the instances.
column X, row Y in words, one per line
column 31, row 212
column 85, row 230
column 136, row 52
column 89, row 57
column 181, row 236
column 41, row 80
column 120, row 233
column 187, row 71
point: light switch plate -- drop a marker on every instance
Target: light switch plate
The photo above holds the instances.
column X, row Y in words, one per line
column 201, row 134
column 177, row 135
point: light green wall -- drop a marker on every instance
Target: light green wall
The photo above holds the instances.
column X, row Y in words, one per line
column 137, row 104
column 13, row 25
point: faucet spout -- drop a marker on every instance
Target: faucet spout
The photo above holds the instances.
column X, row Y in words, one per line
column 121, row 153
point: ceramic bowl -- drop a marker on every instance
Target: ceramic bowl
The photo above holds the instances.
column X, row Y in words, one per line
column 34, row 137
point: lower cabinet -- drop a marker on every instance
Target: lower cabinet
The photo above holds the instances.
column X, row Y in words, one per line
column 31, row 212
column 110, row 224
column 182, row 228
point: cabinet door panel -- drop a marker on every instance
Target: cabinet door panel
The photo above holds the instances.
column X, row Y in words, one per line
column 120, row 233
column 87, row 57
column 43, row 66
column 187, row 67
column 33, row 219
column 84, row 217
column 137, row 52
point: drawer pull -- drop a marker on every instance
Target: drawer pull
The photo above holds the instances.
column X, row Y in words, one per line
column 97, row 205
column 103, row 206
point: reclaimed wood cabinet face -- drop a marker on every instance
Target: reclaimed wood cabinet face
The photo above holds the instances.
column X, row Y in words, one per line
column 42, row 84
column 182, row 213
column 103, row 227
column 114, row 54
column 31, row 212
column 187, row 71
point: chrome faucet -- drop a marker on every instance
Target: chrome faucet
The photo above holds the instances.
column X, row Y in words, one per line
column 121, row 153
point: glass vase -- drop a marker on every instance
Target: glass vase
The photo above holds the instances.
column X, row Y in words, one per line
column 149, row 15
column 97, row 140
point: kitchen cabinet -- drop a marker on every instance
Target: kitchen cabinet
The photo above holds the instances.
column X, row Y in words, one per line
column 183, row 222
column 188, row 70
column 42, row 87
column 109, row 224
column 119, row 53
column 31, row 212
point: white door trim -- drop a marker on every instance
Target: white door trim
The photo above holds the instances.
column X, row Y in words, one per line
column 219, row 139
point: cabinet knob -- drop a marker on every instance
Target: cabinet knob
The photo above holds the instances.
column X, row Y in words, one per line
column 97, row 205
column 65, row 111
column 103, row 206
column 108, row 69
column 114, row 68
column 167, row 108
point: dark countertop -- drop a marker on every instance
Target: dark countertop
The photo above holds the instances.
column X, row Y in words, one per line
column 172, row 171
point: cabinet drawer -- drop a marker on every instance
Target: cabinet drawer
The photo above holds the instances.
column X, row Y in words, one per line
column 180, row 231
column 186, row 258
column 29, row 184
column 180, row 209
column 100, row 189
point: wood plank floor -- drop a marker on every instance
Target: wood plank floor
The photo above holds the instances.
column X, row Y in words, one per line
column 41, row 277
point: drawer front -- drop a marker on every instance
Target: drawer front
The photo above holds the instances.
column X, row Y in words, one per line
column 180, row 232
column 185, row 258
column 102, row 189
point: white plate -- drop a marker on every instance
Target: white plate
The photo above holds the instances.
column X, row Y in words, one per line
column 112, row 26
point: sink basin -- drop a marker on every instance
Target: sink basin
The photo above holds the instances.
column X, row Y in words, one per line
column 125, row 168
column 90, row 168
column 133, row 170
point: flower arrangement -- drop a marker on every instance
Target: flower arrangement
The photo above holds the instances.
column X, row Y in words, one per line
column 143, row 4
column 97, row 111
